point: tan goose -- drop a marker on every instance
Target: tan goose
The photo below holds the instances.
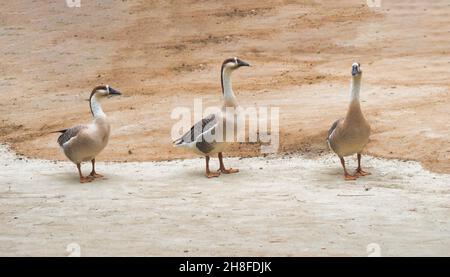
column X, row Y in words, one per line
column 349, row 135
column 197, row 138
column 83, row 143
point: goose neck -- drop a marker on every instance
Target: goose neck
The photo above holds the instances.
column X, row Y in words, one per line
column 96, row 107
column 227, row 89
column 355, row 88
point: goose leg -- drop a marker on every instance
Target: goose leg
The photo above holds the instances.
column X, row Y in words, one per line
column 210, row 174
column 222, row 166
column 93, row 173
column 82, row 178
column 359, row 171
column 347, row 176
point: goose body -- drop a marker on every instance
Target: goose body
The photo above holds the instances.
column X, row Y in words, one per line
column 199, row 138
column 349, row 135
column 84, row 142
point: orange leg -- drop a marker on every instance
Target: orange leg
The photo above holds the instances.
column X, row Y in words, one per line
column 359, row 171
column 222, row 166
column 210, row 174
column 347, row 176
column 82, row 178
column 93, row 173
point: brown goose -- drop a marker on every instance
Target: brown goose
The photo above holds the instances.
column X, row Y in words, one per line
column 349, row 135
column 83, row 143
column 197, row 138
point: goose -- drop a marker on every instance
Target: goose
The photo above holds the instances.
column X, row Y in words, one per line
column 349, row 135
column 196, row 138
column 84, row 142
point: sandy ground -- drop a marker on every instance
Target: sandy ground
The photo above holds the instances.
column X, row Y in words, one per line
column 169, row 208
column 163, row 55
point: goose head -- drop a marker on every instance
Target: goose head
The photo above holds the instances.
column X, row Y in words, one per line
column 104, row 91
column 228, row 66
column 232, row 64
column 98, row 93
column 356, row 69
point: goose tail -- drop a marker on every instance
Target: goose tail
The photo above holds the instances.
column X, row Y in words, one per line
column 183, row 144
column 180, row 143
column 59, row 131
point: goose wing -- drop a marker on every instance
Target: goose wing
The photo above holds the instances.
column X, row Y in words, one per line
column 205, row 142
column 199, row 128
column 68, row 134
column 333, row 127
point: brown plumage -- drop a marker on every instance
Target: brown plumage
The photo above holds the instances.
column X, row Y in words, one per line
column 197, row 130
column 84, row 142
column 67, row 134
column 348, row 136
column 209, row 126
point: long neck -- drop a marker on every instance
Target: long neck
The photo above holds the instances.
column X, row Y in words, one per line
column 96, row 108
column 355, row 87
column 227, row 89
column 354, row 110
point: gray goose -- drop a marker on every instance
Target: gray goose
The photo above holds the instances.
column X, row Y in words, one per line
column 84, row 142
column 196, row 139
column 348, row 136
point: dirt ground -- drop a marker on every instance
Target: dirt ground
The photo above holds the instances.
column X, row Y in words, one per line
column 168, row 209
column 163, row 55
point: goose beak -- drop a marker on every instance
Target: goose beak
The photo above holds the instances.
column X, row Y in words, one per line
column 114, row 92
column 242, row 63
